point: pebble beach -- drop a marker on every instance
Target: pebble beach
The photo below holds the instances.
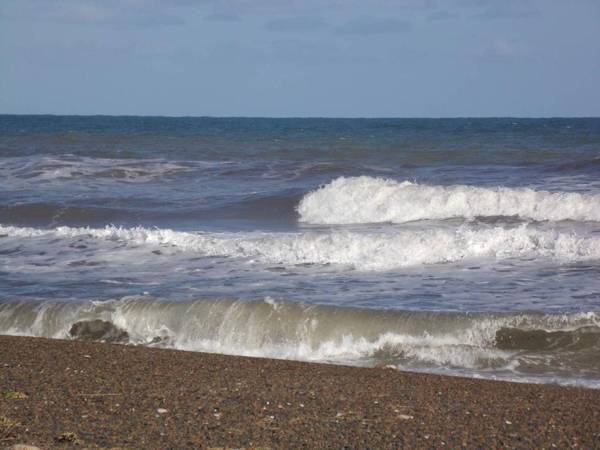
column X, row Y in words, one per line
column 74, row 394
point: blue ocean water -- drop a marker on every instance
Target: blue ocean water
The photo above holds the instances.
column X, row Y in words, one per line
column 460, row 246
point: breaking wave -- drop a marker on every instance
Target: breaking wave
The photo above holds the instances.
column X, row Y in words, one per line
column 478, row 342
column 373, row 200
column 359, row 250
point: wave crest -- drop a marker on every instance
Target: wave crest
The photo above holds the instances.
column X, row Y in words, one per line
column 374, row 200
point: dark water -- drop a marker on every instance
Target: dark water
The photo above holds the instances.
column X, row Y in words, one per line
column 462, row 246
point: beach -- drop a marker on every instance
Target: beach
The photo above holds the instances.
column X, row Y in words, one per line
column 76, row 394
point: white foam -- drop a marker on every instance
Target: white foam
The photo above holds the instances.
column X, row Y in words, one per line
column 372, row 200
column 359, row 250
column 294, row 331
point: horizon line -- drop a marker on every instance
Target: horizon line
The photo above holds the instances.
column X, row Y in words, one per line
column 156, row 116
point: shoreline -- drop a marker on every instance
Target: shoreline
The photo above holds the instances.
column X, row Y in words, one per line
column 76, row 394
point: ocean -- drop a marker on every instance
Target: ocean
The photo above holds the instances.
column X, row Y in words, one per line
column 465, row 247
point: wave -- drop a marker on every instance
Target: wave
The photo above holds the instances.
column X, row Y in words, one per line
column 269, row 328
column 373, row 200
column 359, row 250
column 66, row 168
column 589, row 164
column 70, row 167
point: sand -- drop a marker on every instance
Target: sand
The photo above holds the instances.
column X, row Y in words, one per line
column 71, row 394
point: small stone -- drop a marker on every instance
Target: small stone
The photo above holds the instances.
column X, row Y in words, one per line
column 23, row 447
column 384, row 366
column 68, row 437
column 162, row 411
column 15, row 395
column 405, row 417
column 98, row 330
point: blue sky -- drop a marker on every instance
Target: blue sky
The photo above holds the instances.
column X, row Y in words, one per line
column 340, row 58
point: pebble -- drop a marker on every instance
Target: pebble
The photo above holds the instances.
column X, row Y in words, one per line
column 22, row 447
column 162, row 411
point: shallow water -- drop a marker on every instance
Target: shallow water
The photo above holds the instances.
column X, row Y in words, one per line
column 462, row 246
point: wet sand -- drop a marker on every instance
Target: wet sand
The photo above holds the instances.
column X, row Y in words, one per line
column 69, row 394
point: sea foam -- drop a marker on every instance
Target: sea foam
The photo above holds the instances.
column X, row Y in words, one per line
column 372, row 200
column 361, row 250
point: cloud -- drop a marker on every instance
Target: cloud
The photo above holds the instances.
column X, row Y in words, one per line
column 499, row 13
column 442, row 15
column 287, row 15
column 295, row 24
column 370, row 26
column 223, row 17
column 508, row 9
column 503, row 50
column 94, row 12
column 308, row 7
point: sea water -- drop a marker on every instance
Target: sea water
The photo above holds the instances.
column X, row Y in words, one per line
column 459, row 246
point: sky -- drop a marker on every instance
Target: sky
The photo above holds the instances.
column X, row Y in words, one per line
column 299, row 58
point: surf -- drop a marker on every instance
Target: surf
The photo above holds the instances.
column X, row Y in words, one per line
column 364, row 199
column 483, row 343
column 360, row 250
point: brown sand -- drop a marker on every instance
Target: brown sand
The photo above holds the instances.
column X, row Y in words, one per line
column 67, row 394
